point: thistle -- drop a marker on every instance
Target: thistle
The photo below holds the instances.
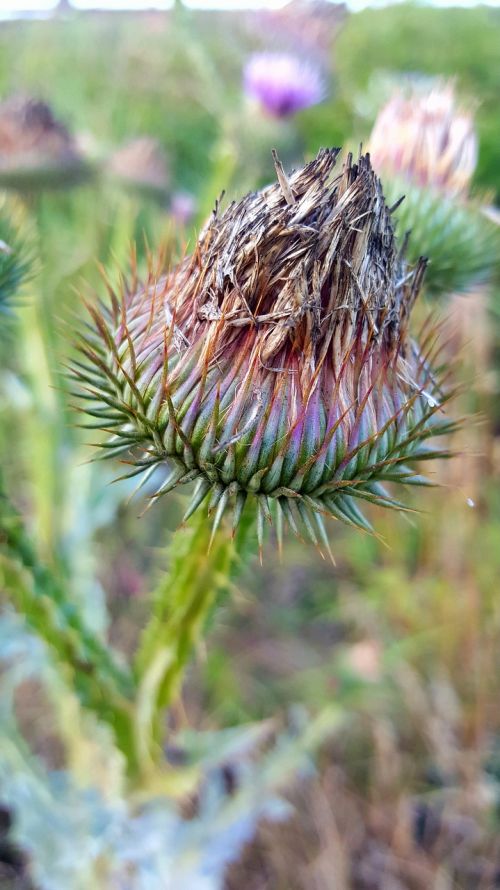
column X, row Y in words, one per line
column 36, row 150
column 424, row 145
column 274, row 365
column 427, row 139
column 282, row 84
column 182, row 208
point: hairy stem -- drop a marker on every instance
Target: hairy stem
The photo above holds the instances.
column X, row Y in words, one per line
column 199, row 573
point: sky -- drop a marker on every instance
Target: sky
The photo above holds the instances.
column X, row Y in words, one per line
column 13, row 6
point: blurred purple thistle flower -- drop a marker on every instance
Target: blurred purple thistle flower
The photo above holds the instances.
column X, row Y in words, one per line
column 183, row 207
column 282, row 84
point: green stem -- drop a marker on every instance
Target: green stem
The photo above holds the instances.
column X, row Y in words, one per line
column 90, row 668
column 199, row 572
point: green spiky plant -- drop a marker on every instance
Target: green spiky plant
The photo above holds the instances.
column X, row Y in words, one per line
column 106, row 710
column 274, row 369
column 463, row 246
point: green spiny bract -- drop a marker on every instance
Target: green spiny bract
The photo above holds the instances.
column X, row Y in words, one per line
column 462, row 244
column 16, row 253
column 275, row 363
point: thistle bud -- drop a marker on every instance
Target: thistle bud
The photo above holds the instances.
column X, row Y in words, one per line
column 427, row 139
column 275, row 363
column 425, row 147
column 36, row 150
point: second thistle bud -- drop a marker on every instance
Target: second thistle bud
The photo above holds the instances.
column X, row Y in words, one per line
column 275, row 363
column 426, row 139
column 36, row 149
column 424, row 145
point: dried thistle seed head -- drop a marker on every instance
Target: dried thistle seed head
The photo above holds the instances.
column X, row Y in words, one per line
column 36, row 150
column 427, row 139
column 275, row 362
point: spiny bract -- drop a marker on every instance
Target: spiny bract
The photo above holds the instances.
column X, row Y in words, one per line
column 274, row 363
column 461, row 243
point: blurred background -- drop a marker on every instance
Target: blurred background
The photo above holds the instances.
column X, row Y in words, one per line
column 156, row 113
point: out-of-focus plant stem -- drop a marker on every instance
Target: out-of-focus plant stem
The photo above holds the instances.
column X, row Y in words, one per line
column 201, row 569
column 88, row 666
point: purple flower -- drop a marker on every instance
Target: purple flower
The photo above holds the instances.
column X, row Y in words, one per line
column 183, row 207
column 282, row 84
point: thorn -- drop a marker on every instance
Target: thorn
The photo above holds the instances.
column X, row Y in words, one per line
column 200, row 493
column 306, row 519
column 217, row 493
column 218, row 515
column 287, row 511
column 279, row 529
column 320, row 523
column 260, row 528
column 239, row 505
column 147, row 473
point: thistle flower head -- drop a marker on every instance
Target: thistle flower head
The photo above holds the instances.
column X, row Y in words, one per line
column 36, row 150
column 275, row 363
column 282, row 84
column 426, row 138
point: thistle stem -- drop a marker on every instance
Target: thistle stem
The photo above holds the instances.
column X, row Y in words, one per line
column 199, row 573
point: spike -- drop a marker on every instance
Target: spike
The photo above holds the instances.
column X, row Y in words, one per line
column 218, row 491
column 279, row 529
column 260, row 527
column 287, row 511
column 200, row 493
column 306, row 520
column 320, row 523
column 221, row 506
column 172, row 481
column 240, row 501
